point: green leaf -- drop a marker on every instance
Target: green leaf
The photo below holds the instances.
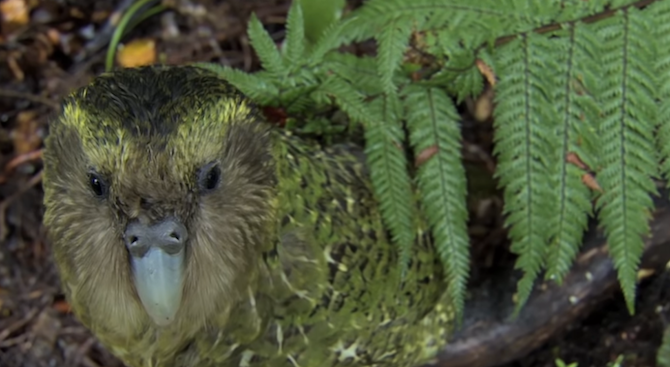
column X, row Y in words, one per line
column 393, row 42
column 577, row 70
column 627, row 155
column 433, row 123
column 360, row 71
column 346, row 97
column 265, row 47
column 257, row 86
column 660, row 13
column 329, row 41
column 525, row 122
column 663, row 354
column 388, row 172
column 319, row 16
column 294, row 45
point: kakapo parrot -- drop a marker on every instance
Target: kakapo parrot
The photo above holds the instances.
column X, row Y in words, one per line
column 189, row 232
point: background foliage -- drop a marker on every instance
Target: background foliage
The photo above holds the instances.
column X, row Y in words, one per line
column 581, row 117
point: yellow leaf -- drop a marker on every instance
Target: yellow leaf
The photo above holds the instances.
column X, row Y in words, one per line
column 136, row 53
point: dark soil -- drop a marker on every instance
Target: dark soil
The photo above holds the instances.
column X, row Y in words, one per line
column 61, row 46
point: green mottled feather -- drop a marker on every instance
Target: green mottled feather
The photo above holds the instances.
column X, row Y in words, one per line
column 335, row 294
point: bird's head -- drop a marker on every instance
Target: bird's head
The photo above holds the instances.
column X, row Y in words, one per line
column 159, row 184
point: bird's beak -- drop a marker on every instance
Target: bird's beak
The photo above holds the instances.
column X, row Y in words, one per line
column 157, row 260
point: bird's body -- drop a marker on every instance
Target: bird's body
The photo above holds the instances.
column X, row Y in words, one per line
column 286, row 262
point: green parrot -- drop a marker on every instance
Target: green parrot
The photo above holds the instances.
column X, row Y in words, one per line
column 189, row 232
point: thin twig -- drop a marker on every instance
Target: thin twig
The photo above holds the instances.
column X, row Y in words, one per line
column 17, row 325
column 21, row 159
column 30, row 97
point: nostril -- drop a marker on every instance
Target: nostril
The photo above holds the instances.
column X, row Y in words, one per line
column 174, row 235
column 133, row 239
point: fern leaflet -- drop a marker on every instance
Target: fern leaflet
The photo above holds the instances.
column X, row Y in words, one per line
column 627, row 154
column 525, row 124
column 433, row 123
column 577, row 70
column 388, row 172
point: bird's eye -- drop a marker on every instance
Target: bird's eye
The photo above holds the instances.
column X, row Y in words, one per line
column 97, row 184
column 209, row 177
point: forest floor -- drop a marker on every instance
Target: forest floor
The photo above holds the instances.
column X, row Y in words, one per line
column 48, row 48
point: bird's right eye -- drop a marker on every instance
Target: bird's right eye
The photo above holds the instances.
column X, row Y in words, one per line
column 97, row 184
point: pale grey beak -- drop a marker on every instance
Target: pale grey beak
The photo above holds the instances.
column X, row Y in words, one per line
column 157, row 260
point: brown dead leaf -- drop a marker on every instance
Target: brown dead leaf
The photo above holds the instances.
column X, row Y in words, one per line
column 35, row 294
column 136, row 53
column 574, row 159
column 53, row 35
column 645, row 273
column 425, row 155
column 45, row 333
column 100, row 16
column 591, row 182
column 486, row 71
column 76, row 13
column 15, row 14
column 62, row 306
column 25, row 136
column 482, row 108
column 14, row 67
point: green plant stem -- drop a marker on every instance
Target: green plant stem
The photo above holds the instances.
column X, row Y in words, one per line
column 126, row 25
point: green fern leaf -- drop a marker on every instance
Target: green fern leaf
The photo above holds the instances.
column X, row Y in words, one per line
column 501, row 16
column 329, row 41
column 577, row 72
column 345, row 96
column 294, row 44
column 319, row 16
column 459, row 75
column 360, row 71
column 578, row 9
column 433, row 123
column 257, row 86
column 660, row 11
column 663, row 353
column 627, row 154
column 298, row 99
column 265, row 47
column 393, row 42
column 360, row 27
column 525, row 122
column 389, row 174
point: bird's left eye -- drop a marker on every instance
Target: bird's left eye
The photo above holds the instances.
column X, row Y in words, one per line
column 97, row 184
column 209, row 177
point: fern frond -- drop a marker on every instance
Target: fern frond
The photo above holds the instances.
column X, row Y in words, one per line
column 525, row 122
column 393, row 42
column 257, row 86
column 345, row 96
column 265, row 47
column 572, row 10
column 298, row 99
column 627, row 154
column 294, row 44
column 319, row 16
column 577, row 72
column 329, row 41
column 501, row 16
column 360, row 71
column 388, row 172
column 460, row 77
column 663, row 353
column 660, row 13
column 433, row 123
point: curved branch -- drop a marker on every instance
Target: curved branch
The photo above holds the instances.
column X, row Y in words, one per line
column 489, row 337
